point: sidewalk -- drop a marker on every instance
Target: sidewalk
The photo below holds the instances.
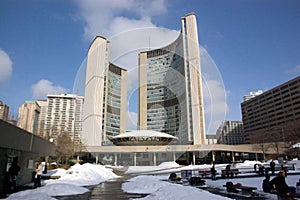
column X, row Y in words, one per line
column 109, row 190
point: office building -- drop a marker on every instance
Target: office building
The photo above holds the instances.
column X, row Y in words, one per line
column 63, row 115
column 28, row 116
column 274, row 115
column 105, row 96
column 231, row 132
column 4, row 109
column 170, row 87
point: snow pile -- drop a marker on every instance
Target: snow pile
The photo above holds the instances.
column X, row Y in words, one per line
column 30, row 196
column 249, row 163
column 144, row 169
column 144, row 184
column 159, row 189
column 168, row 165
column 173, row 191
column 69, row 184
column 87, row 174
column 53, row 189
column 56, row 172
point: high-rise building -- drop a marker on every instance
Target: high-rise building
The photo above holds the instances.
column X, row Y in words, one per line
column 28, row 116
column 274, row 115
column 64, row 115
column 252, row 94
column 230, row 132
column 105, row 96
column 170, row 87
column 4, row 109
column 42, row 117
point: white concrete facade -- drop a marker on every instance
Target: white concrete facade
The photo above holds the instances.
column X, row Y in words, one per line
column 63, row 115
column 105, row 96
column 180, row 73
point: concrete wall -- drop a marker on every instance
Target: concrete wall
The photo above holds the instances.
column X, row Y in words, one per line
column 16, row 143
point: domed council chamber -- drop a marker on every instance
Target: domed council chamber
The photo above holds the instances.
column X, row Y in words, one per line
column 142, row 138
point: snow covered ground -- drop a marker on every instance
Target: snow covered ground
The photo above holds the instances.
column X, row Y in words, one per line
column 73, row 180
column 159, row 188
column 70, row 183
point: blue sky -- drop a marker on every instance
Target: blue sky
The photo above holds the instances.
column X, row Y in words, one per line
column 254, row 44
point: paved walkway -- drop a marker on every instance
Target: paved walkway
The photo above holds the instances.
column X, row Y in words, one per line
column 109, row 190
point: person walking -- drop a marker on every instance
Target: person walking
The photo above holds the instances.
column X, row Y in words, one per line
column 39, row 171
column 261, row 169
column 213, row 172
column 228, row 171
column 272, row 166
column 13, row 173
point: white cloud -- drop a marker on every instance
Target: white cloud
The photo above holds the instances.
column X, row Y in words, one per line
column 5, row 67
column 44, row 87
column 103, row 17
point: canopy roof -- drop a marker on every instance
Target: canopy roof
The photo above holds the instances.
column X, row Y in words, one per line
column 144, row 133
column 142, row 137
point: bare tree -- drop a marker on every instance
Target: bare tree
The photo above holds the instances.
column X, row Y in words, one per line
column 79, row 149
column 64, row 147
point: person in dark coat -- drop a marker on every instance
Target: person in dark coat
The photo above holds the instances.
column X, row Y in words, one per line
column 280, row 185
column 172, row 177
column 13, row 173
column 266, row 184
column 261, row 169
column 213, row 172
column 272, row 166
column 228, row 171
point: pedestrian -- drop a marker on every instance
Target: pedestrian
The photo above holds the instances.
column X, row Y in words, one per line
column 285, row 170
column 272, row 166
column 213, row 172
column 266, row 184
column 261, row 169
column 255, row 167
column 39, row 171
column 298, row 187
column 228, row 170
column 13, row 173
column 283, row 190
column 172, row 177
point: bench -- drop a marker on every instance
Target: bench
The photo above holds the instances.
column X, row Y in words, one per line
column 246, row 190
column 229, row 173
column 204, row 173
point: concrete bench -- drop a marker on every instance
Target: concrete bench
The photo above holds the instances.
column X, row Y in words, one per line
column 204, row 173
column 246, row 190
column 229, row 173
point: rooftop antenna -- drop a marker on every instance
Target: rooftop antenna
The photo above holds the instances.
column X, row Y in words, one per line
column 149, row 42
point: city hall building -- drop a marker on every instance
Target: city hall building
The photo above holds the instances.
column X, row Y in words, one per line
column 171, row 125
